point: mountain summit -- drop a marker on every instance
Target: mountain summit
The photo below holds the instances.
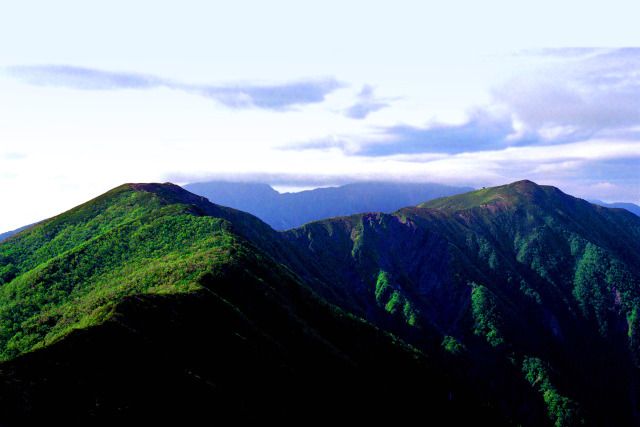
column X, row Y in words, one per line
column 506, row 195
column 150, row 303
column 516, row 304
column 525, row 273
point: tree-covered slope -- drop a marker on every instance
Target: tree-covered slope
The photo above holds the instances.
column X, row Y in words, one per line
column 516, row 303
column 538, row 289
column 64, row 272
column 149, row 303
column 573, row 271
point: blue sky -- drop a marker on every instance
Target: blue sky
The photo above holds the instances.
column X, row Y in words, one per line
column 306, row 94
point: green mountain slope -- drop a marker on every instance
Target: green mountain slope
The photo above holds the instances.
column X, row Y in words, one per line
column 515, row 304
column 539, row 290
column 149, row 303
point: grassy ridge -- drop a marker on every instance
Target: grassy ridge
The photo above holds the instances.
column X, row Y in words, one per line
column 67, row 272
column 162, row 252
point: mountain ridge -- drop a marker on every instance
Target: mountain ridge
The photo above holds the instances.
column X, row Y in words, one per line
column 231, row 194
column 289, row 210
column 631, row 207
column 520, row 294
column 149, row 289
column 538, row 270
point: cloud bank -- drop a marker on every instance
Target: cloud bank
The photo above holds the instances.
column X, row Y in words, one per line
column 571, row 117
column 588, row 94
column 277, row 97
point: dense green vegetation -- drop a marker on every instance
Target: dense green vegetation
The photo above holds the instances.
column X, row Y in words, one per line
column 488, row 320
column 499, row 277
column 148, row 304
column 158, row 253
column 75, row 266
column 562, row 409
column 518, row 300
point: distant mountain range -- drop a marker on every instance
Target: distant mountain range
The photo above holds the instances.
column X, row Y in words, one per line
column 510, row 305
column 631, row 207
column 284, row 211
column 8, row 234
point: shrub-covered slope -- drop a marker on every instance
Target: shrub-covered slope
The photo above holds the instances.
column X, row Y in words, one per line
column 539, row 290
column 151, row 304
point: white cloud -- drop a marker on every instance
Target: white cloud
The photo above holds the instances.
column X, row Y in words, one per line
column 576, row 92
column 278, row 97
column 430, row 63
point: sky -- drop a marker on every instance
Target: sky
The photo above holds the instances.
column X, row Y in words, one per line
column 310, row 94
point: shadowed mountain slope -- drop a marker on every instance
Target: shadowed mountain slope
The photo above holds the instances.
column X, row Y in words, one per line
column 538, row 289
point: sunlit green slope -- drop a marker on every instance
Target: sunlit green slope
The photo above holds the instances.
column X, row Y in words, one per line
column 150, row 304
column 66, row 272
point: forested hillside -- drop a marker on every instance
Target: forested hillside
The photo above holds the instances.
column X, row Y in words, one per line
column 509, row 305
